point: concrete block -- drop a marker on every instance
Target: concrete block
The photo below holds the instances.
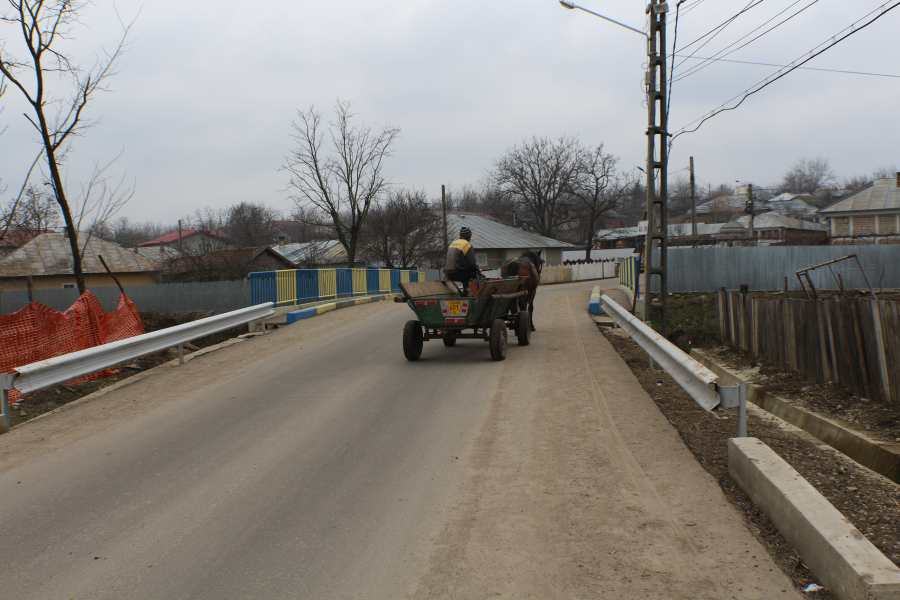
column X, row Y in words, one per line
column 834, row 550
column 594, row 304
column 305, row 313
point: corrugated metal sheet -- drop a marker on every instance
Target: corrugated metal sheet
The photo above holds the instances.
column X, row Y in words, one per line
column 488, row 235
column 218, row 296
column 765, row 268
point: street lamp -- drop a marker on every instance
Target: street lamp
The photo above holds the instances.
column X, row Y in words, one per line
column 572, row 6
column 657, row 150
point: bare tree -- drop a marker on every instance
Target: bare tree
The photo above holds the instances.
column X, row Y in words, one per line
column 536, row 175
column 857, row 181
column 808, row 176
column 339, row 172
column 42, row 24
column 35, row 210
column 403, row 230
column 252, row 224
column 597, row 188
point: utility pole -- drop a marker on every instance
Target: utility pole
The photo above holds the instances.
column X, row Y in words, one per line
column 444, row 206
column 657, row 162
column 693, row 203
column 750, row 210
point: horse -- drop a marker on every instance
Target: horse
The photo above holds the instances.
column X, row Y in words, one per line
column 529, row 265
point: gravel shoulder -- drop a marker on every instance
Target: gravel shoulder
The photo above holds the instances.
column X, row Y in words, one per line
column 868, row 500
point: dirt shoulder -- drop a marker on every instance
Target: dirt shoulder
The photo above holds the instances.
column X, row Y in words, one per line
column 580, row 488
column 868, row 500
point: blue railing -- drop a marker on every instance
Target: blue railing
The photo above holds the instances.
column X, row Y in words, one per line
column 297, row 286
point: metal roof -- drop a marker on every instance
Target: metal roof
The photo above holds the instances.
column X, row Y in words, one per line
column 489, row 235
column 772, row 221
column 51, row 254
column 881, row 194
column 171, row 237
column 324, row 251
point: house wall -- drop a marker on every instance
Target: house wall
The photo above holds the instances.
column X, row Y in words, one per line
column 856, row 228
column 48, row 282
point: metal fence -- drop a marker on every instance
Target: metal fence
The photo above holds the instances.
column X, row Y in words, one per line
column 854, row 341
column 310, row 285
column 774, row 267
column 564, row 273
column 215, row 296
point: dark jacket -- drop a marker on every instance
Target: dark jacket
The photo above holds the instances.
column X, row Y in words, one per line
column 461, row 257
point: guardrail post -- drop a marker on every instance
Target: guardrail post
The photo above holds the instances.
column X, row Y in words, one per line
column 6, row 384
column 735, row 396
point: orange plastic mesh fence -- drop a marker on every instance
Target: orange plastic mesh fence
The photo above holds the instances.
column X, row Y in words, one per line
column 37, row 332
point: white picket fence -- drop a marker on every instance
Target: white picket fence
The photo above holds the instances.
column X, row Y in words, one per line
column 563, row 273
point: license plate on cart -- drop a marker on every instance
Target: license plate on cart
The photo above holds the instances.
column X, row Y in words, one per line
column 454, row 308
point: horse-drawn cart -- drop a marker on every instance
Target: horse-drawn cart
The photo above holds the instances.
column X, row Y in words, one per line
column 443, row 313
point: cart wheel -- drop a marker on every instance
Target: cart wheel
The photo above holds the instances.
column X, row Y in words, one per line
column 523, row 327
column 412, row 340
column 498, row 339
column 449, row 341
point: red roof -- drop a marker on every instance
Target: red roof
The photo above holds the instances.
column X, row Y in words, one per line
column 172, row 237
column 15, row 238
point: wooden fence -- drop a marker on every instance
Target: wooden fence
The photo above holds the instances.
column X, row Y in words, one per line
column 851, row 341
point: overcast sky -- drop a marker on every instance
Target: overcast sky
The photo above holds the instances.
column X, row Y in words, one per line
column 204, row 99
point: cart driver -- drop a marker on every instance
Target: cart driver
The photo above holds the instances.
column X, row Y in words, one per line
column 460, row 264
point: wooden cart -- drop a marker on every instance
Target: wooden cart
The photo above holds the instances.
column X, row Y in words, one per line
column 443, row 313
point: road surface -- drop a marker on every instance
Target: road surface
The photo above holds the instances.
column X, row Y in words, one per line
column 316, row 462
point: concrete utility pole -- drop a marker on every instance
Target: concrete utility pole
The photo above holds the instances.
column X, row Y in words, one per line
column 750, row 210
column 657, row 162
column 693, row 202
column 444, row 205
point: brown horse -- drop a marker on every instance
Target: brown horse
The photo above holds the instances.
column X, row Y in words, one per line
column 528, row 265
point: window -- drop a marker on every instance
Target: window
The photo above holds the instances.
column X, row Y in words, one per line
column 68, row 286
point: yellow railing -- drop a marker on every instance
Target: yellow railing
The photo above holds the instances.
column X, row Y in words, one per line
column 327, row 283
column 359, row 281
column 286, row 286
column 384, row 280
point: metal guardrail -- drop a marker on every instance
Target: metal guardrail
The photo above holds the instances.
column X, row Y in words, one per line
column 698, row 381
column 43, row 374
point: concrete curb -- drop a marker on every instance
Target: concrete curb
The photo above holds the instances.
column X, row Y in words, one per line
column 594, row 303
column 881, row 457
column 305, row 313
column 840, row 556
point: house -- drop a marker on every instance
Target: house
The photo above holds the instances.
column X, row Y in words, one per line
column 192, row 241
column 227, row 264
column 47, row 261
column 869, row 215
column 496, row 244
column 770, row 229
column 327, row 254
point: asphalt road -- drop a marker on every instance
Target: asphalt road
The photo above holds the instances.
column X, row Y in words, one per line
column 316, row 462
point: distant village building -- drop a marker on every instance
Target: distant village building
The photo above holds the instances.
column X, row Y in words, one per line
column 227, row 264
column 194, row 241
column 47, row 261
column 869, row 215
column 496, row 244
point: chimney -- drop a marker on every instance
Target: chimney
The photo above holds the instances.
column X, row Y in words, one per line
column 281, row 237
column 898, row 179
column 135, row 249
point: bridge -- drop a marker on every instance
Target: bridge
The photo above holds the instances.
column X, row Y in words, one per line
column 317, row 462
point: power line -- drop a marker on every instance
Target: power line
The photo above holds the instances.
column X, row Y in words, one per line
column 725, row 24
column 719, row 53
column 747, row 62
column 779, row 74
